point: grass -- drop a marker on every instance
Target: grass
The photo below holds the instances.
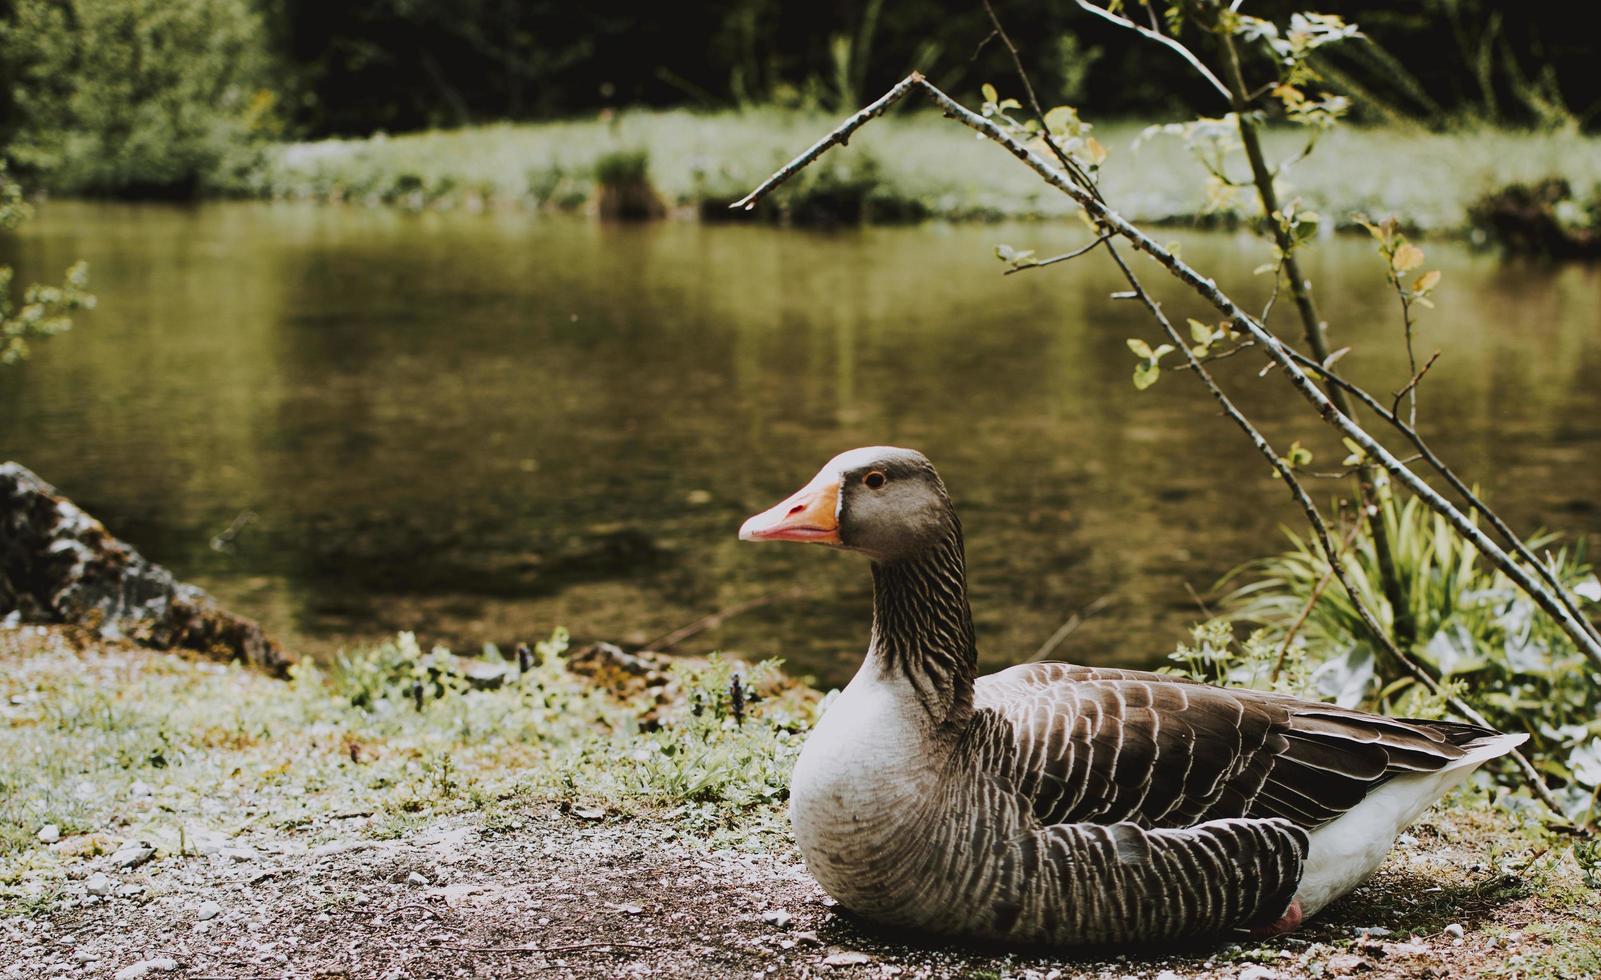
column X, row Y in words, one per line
column 918, row 164
column 111, row 746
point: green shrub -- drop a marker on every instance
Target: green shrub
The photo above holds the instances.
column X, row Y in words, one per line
column 1476, row 631
column 139, row 97
column 625, row 187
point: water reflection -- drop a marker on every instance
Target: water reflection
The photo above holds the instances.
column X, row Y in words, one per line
column 479, row 426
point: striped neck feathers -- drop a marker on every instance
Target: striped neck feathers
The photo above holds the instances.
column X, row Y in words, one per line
column 923, row 627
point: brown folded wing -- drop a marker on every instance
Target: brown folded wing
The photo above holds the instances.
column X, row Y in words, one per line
column 1100, row 746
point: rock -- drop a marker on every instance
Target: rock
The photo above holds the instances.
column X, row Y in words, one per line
column 207, row 910
column 1371, row 932
column 58, row 564
column 808, row 937
column 238, row 853
column 416, row 878
column 847, row 958
column 99, row 885
column 628, row 909
column 588, row 813
column 143, row 968
column 1258, row 973
column 1345, row 964
column 133, row 855
column 49, row 834
column 129, row 890
column 1168, row 975
column 1455, row 930
column 777, row 917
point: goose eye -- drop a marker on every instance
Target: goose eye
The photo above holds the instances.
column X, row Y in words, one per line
column 873, row 480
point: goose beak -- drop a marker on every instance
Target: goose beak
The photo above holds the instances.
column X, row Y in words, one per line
column 812, row 514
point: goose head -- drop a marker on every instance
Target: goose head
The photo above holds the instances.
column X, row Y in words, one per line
column 882, row 501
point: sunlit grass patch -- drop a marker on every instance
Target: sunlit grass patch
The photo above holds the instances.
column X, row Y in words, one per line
column 920, row 164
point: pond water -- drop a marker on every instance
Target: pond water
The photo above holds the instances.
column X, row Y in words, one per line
column 479, row 426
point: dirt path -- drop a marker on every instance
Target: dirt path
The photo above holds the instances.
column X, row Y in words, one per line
column 553, row 894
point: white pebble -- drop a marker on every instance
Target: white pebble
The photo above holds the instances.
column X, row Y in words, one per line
column 143, row 968
column 49, row 834
column 99, row 884
column 208, row 910
column 1454, row 930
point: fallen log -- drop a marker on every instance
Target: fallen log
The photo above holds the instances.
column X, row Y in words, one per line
column 60, row 565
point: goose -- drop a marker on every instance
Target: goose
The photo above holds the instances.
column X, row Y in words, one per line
column 1056, row 804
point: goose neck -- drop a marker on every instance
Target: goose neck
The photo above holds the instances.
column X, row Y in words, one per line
column 923, row 628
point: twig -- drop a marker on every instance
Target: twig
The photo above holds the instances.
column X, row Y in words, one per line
column 1225, row 355
column 1067, row 629
column 574, row 947
column 1042, row 263
column 1161, row 39
column 1311, row 603
column 1411, row 386
column 419, row 907
column 711, row 621
column 841, row 135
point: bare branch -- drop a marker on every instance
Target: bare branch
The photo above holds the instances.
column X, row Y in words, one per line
column 1161, row 39
column 841, row 135
column 1411, row 385
column 1042, row 263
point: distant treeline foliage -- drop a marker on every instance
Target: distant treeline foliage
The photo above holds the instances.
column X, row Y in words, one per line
column 174, row 96
column 141, row 97
column 406, row 64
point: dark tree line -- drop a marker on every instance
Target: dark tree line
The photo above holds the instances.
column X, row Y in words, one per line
column 403, row 64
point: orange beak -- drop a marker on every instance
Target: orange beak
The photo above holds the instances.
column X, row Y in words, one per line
column 811, row 514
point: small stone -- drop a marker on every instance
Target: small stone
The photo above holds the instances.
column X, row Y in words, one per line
column 1258, row 973
column 628, row 909
column 848, row 957
column 588, row 813
column 1454, row 930
column 208, row 910
column 140, row 789
column 239, row 854
column 1168, row 975
column 808, row 937
column 777, row 917
column 1372, row 932
column 85, row 956
column 1344, row 964
column 129, row 890
column 132, row 855
column 99, row 885
column 49, row 834
column 143, row 968
column 416, row 878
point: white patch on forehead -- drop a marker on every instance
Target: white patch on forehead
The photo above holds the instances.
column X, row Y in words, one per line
column 847, row 461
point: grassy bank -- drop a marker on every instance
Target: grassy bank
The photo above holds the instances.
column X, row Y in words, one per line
column 909, row 165
column 389, row 816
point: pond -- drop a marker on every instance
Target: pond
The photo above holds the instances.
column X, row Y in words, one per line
column 347, row 422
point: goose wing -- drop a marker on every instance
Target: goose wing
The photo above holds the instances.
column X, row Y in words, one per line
column 1102, row 746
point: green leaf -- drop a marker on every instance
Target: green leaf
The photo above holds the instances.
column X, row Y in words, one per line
column 1005, row 253
column 1140, row 348
column 1161, row 352
column 1199, row 332
column 1146, row 373
column 990, row 95
column 1010, row 104
column 1060, row 119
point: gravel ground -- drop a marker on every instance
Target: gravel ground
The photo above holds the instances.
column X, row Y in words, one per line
column 582, row 894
